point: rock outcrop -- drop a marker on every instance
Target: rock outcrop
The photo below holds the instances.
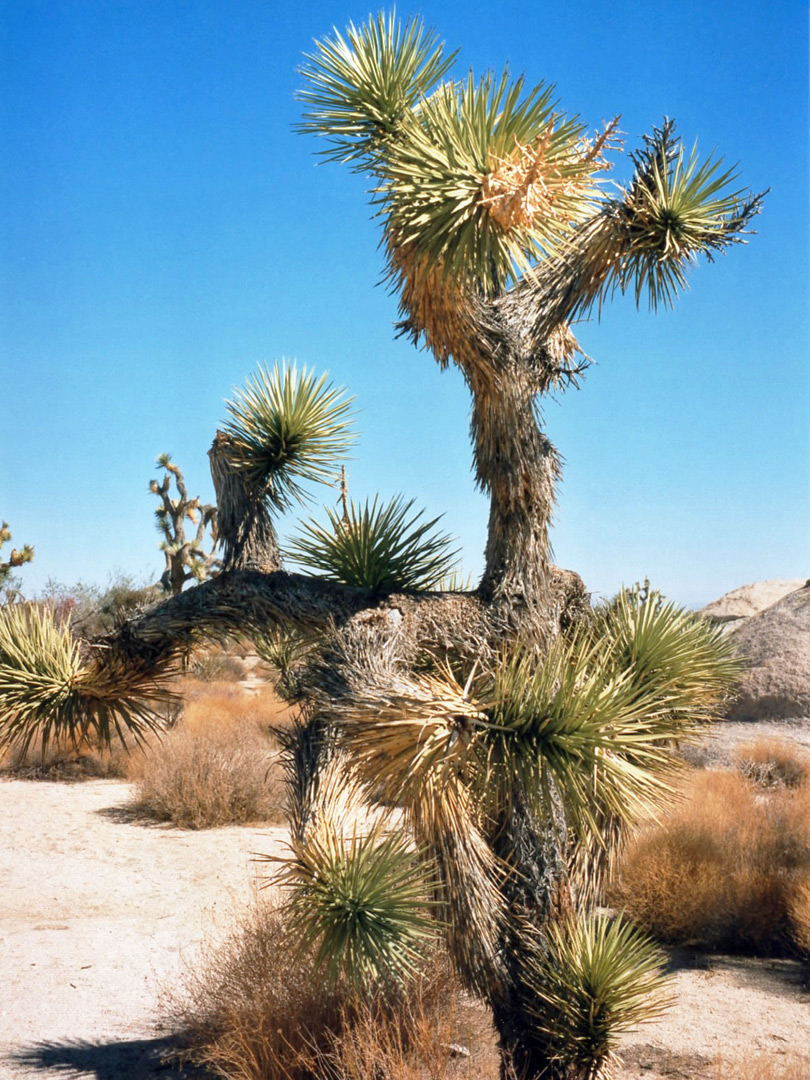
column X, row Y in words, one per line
column 775, row 646
column 749, row 600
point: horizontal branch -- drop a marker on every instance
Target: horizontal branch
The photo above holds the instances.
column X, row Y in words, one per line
column 246, row 602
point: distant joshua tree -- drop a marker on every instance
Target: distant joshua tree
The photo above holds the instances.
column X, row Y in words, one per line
column 516, row 730
column 16, row 557
column 185, row 559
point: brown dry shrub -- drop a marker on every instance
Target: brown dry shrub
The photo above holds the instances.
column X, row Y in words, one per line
column 216, row 666
column 722, row 869
column 763, row 1067
column 800, row 917
column 773, row 763
column 227, row 704
column 254, row 1009
column 217, row 766
column 65, row 763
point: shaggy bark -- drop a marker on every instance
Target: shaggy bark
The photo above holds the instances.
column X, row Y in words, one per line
column 536, row 890
column 509, row 358
column 245, row 528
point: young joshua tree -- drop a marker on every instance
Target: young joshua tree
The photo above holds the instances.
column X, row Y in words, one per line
column 517, row 730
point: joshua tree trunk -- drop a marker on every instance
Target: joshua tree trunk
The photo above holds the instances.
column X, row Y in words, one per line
column 518, row 466
column 508, row 360
column 245, row 528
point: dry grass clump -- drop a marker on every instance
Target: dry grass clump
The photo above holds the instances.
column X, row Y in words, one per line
column 216, row 666
column 773, row 763
column 724, row 869
column 218, row 765
column 226, row 704
column 800, row 917
column 254, row 1009
column 64, row 762
column 763, row 1067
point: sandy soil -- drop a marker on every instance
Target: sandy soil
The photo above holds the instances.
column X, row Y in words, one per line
column 99, row 912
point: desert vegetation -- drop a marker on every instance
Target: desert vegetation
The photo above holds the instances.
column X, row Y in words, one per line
column 218, row 764
column 729, row 867
column 186, row 559
column 256, row 1008
column 462, row 765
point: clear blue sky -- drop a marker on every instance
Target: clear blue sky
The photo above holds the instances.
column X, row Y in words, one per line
column 163, row 230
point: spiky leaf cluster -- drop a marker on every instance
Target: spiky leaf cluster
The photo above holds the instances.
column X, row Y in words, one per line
column 644, row 239
column 483, row 183
column 285, row 648
column 361, row 904
column 363, row 88
column 671, row 654
column 489, row 179
column 49, row 693
column 675, row 209
column 381, row 546
column 587, row 727
column 474, row 178
column 594, row 979
column 285, row 427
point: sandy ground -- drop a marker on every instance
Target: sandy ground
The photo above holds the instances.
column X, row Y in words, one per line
column 98, row 914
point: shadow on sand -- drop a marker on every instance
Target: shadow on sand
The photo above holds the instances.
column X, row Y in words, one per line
column 137, row 1059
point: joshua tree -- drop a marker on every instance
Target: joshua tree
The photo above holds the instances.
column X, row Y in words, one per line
column 518, row 730
column 185, row 559
column 16, row 557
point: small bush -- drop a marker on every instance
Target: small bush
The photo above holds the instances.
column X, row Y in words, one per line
column 224, row 704
column 723, row 869
column 255, row 1009
column 218, row 766
column 773, row 763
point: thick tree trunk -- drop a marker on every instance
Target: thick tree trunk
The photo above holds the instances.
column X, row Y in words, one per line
column 517, row 465
column 244, row 527
column 535, row 891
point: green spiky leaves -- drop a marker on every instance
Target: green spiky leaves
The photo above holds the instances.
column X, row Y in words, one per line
column 361, row 904
column 589, row 723
column 675, row 209
column 596, row 979
column 361, row 89
column 487, row 180
column 475, row 179
column 380, row 546
column 49, row 693
column 286, row 427
column 671, row 655
column 481, row 182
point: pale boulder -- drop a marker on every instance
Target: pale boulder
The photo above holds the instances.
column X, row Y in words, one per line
column 775, row 646
column 749, row 600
